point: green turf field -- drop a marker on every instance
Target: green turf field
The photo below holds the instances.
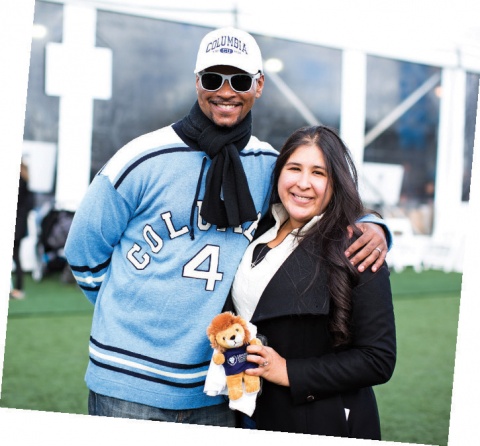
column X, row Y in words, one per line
column 46, row 353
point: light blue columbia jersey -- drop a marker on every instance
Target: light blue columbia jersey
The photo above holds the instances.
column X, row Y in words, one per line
column 154, row 270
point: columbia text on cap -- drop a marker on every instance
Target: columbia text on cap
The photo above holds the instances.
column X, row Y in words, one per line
column 232, row 47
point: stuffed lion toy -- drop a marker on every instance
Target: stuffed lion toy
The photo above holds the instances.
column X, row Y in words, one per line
column 229, row 336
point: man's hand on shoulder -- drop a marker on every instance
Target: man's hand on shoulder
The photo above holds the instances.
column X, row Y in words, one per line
column 370, row 248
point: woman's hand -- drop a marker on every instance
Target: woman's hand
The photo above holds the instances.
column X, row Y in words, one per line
column 271, row 365
column 371, row 246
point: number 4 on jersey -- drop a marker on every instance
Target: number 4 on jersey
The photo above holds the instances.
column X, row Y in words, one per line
column 211, row 275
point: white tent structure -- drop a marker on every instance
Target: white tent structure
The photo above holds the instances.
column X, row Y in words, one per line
column 438, row 33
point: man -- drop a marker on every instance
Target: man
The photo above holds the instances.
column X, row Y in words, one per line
column 159, row 235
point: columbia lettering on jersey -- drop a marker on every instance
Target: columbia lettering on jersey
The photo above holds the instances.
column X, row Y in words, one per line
column 151, row 242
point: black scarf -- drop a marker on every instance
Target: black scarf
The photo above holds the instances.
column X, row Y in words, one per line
column 226, row 175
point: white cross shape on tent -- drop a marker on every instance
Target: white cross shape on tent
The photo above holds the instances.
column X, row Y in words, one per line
column 78, row 72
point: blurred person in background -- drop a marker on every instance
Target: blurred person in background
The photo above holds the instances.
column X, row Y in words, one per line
column 24, row 206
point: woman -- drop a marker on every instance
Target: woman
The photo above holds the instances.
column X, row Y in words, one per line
column 330, row 329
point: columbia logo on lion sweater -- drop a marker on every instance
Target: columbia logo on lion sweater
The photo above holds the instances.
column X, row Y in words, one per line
column 236, row 360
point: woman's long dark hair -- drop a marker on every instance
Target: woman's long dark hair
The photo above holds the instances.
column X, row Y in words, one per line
column 328, row 240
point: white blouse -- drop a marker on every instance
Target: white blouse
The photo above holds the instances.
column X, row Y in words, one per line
column 250, row 282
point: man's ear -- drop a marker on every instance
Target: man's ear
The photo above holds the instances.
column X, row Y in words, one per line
column 259, row 86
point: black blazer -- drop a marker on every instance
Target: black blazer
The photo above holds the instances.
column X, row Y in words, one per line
column 325, row 383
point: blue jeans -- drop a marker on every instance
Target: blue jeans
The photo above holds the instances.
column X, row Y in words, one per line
column 219, row 415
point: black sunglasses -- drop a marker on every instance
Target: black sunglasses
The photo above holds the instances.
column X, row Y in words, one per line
column 241, row 83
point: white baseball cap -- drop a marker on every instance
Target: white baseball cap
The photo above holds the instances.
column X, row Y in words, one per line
column 232, row 47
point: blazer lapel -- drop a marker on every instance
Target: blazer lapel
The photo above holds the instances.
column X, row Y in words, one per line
column 290, row 291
